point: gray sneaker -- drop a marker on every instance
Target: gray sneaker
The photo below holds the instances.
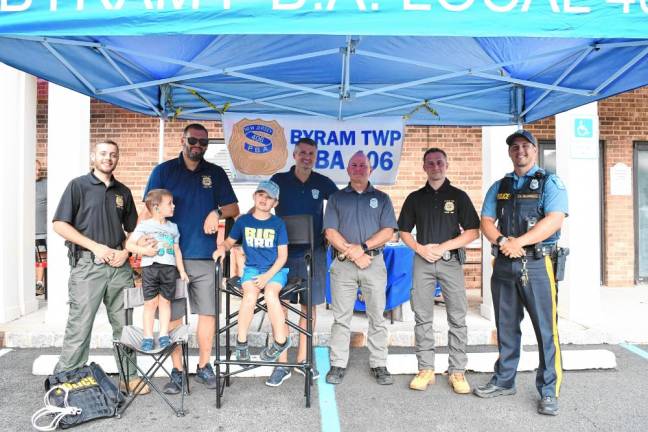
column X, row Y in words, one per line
column 278, row 376
column 242, row 351
column 174, row 386
column 272, row 353
column 205, row 375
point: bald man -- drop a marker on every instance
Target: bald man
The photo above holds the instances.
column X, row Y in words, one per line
column 358, row 221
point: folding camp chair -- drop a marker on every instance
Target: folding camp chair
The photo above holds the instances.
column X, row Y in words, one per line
column 41, row 261
column 300, row 232
column 130, row 341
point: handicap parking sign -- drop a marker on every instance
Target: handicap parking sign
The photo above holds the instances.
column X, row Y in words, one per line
column 583, row 128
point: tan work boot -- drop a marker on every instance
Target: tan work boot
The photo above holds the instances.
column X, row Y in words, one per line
column 458, row 382
column 132, row 384
column 422, row 380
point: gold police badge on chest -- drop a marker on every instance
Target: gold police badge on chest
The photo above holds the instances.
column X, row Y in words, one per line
column 206, row 182
column 119, row 201
column 449, row 206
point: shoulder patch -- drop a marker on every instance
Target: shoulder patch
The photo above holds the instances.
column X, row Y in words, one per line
column 556, row 180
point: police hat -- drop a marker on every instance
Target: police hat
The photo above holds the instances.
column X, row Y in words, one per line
column 522, row 134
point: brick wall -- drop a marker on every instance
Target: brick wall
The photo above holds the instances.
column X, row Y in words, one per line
column 622, row 121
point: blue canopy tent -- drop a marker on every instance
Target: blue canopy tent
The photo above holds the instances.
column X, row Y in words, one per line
column 451, row 63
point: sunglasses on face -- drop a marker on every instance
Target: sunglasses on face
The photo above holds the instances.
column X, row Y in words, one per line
column 201, row 141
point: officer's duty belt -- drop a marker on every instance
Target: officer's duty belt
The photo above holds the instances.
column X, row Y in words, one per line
column 539, row 251
column 90, row 255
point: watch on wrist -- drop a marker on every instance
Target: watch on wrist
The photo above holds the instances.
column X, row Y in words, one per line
column 219, row 211
column 364, row 246
column 500, row 240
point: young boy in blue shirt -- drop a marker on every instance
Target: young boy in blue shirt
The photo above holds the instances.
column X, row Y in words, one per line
column 265, row 243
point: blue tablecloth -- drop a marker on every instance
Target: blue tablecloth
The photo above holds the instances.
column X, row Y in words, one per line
column 398, row 260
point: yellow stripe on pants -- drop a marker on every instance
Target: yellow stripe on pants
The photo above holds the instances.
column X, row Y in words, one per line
column 554, row 323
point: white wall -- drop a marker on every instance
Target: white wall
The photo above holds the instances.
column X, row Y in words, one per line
column 577, row 163
column 17, row 174
column 68, row 155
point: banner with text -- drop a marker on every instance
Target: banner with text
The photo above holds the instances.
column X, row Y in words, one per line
column 260, row 146
column 552, row 18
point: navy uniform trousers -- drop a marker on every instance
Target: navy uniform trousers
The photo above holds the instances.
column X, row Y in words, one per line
column 539, row 297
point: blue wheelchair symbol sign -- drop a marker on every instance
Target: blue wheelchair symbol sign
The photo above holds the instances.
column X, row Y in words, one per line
column 583, row 128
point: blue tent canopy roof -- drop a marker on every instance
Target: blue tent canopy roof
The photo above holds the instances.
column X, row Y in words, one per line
column 144, row 64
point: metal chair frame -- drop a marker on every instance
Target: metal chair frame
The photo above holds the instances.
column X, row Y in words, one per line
column 300, row 232
column 133, row 299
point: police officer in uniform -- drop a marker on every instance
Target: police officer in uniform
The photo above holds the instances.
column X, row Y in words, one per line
column 529, row 206
column 358, row 221
column 93, row 214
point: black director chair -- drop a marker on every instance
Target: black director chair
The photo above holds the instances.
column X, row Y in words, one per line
column 300, row 232
column 131, row 340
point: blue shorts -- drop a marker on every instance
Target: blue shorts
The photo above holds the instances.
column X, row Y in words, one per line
column 250, row 273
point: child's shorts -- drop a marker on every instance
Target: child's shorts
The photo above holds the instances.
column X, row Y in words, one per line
column 281, row 277
column 159, row 279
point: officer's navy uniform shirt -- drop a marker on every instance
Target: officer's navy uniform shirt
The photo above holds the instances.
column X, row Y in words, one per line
column 299, row 198
column 438, row 214
column 358, row 216
column 195, row 195
column 554, row 197
column 101, row 213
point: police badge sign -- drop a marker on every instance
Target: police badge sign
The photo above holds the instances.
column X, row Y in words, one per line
column 315, row 193
column 373, row 203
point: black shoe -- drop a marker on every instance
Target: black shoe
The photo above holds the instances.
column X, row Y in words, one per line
column 335, row 375
column 383, row 377
column 548, row 405
column 205, row 375
column 491, row 390
column 174, row 386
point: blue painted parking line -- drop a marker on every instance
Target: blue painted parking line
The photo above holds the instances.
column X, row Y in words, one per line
column 326, row 392
column 635, row 349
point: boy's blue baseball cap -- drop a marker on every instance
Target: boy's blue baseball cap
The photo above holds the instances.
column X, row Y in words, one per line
column 522, row 134
column 269, row 187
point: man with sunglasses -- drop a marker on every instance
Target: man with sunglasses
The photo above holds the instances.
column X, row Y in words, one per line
column 202, row 195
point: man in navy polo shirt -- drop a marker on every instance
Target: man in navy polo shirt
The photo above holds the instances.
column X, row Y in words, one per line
column 202, row 194
column 303, row 191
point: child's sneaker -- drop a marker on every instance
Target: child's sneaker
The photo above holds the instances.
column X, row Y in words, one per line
column 242, row 351
column 278, row 376
column 272, row 353
column 164, row 341
column 147, row 344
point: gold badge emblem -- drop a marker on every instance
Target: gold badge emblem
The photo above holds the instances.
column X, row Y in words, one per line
column 206, row 181
column 503, row 196
column 119, row 201
column 449, row 206
column 258, row 147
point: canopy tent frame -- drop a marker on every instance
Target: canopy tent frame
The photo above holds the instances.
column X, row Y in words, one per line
column 345, row 90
